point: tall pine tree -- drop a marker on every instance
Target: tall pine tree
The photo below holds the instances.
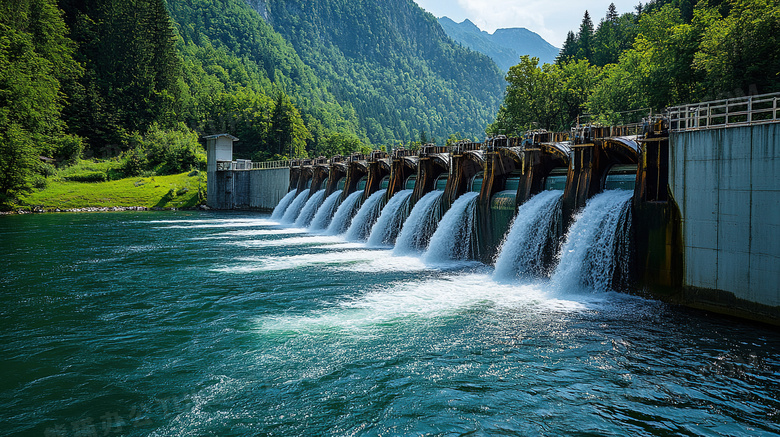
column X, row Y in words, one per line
column 585, row 39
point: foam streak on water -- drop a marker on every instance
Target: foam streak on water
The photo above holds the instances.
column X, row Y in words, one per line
column 343, row 216
column 522, row 251
column 295, row 207
column 273, row 263
column 309, row 240
column 283, row 204
column 307, row 213
column 587, row 258
column 445, row 296
column 205, row 224
column 325, row 213
column 420, row 226
column 365, row 218
column 250, row 233
column 386, row 228
column 453, row 238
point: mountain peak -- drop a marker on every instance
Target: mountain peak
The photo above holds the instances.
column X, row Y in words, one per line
column 504, row 46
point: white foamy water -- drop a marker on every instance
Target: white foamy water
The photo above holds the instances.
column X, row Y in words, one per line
column 293, row 241
column 307, row 213
column 420, row 225
column 385, row 262
column 365, row 218
column 205, row 224
column 343, row 216
column 251, row 233
column 387, row 227
column 283, row 204
column 587, row 258
column 446, row 296
column 325, row 213
column 453, row 238
column 295, row 207
column 522, row 251
column 272, row 263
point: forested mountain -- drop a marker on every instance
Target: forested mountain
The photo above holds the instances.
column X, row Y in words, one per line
column 393, row 64
column 504, row 46
column 138, row 81
column 246, row 79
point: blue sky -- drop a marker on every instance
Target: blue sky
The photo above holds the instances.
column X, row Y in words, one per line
column 551, row 19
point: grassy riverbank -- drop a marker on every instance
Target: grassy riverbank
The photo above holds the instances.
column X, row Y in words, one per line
column 173, row 191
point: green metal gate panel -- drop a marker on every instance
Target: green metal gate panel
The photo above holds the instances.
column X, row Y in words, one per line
column 361, row 185
column 410, row 181
column 502, row 211
column 384, row 183
column 308, row 184
column 476, row 183
column 556, row 180
column 341, row 183
column 324, row 184
column 441, row 182
column 621, row 177
column 513, row 181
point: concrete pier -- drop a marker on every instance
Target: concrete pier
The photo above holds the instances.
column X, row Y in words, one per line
column 727, row 185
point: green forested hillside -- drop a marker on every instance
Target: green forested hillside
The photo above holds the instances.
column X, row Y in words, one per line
column 393, row 64
column 240, row 72
column 138, row 81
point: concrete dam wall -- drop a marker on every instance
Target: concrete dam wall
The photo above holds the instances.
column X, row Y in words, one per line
column 726, row 183
column 259, row 189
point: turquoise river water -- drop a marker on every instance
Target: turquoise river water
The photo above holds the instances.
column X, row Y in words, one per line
column 227, row 324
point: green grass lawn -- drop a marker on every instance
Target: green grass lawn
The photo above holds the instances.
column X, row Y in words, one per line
column 174, row 191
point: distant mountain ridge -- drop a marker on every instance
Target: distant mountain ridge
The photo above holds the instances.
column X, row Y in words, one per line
column 504, row 46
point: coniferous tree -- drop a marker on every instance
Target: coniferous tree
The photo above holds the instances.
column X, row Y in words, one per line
column 569, row 49
column 585, row 39
column 606, row 39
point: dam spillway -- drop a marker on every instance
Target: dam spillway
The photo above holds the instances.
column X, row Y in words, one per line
column 668, row 245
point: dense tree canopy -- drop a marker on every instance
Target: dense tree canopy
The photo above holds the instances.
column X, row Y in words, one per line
column 669, row 52
column 36, row 60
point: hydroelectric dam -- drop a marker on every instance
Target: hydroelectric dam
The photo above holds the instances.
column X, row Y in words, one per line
column 683, row 207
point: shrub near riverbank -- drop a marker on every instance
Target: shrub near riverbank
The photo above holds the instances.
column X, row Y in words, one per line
column 184, row 190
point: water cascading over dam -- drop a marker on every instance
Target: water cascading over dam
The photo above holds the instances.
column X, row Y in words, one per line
column 344, row 214
column 324, row 214
column 447, row 225
column 421, row 224
column 532, row 233
column 386, row 229
column 596, row 208
column 310, row 209
column 292, row 211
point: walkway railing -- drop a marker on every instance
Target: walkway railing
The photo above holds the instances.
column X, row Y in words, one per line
column 743, row 111
column 245, row 164
column 269, row 165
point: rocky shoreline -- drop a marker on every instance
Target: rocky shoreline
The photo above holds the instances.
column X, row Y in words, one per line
column 41, row 210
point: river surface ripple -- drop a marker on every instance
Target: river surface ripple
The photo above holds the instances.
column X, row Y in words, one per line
column 186, row 323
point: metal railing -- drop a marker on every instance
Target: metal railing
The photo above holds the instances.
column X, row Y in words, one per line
column 743, row 111
column 269, row 165
column 248, row 165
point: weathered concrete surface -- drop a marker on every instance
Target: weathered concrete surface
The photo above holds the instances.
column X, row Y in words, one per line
column 247, row 189
column 727, row 185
